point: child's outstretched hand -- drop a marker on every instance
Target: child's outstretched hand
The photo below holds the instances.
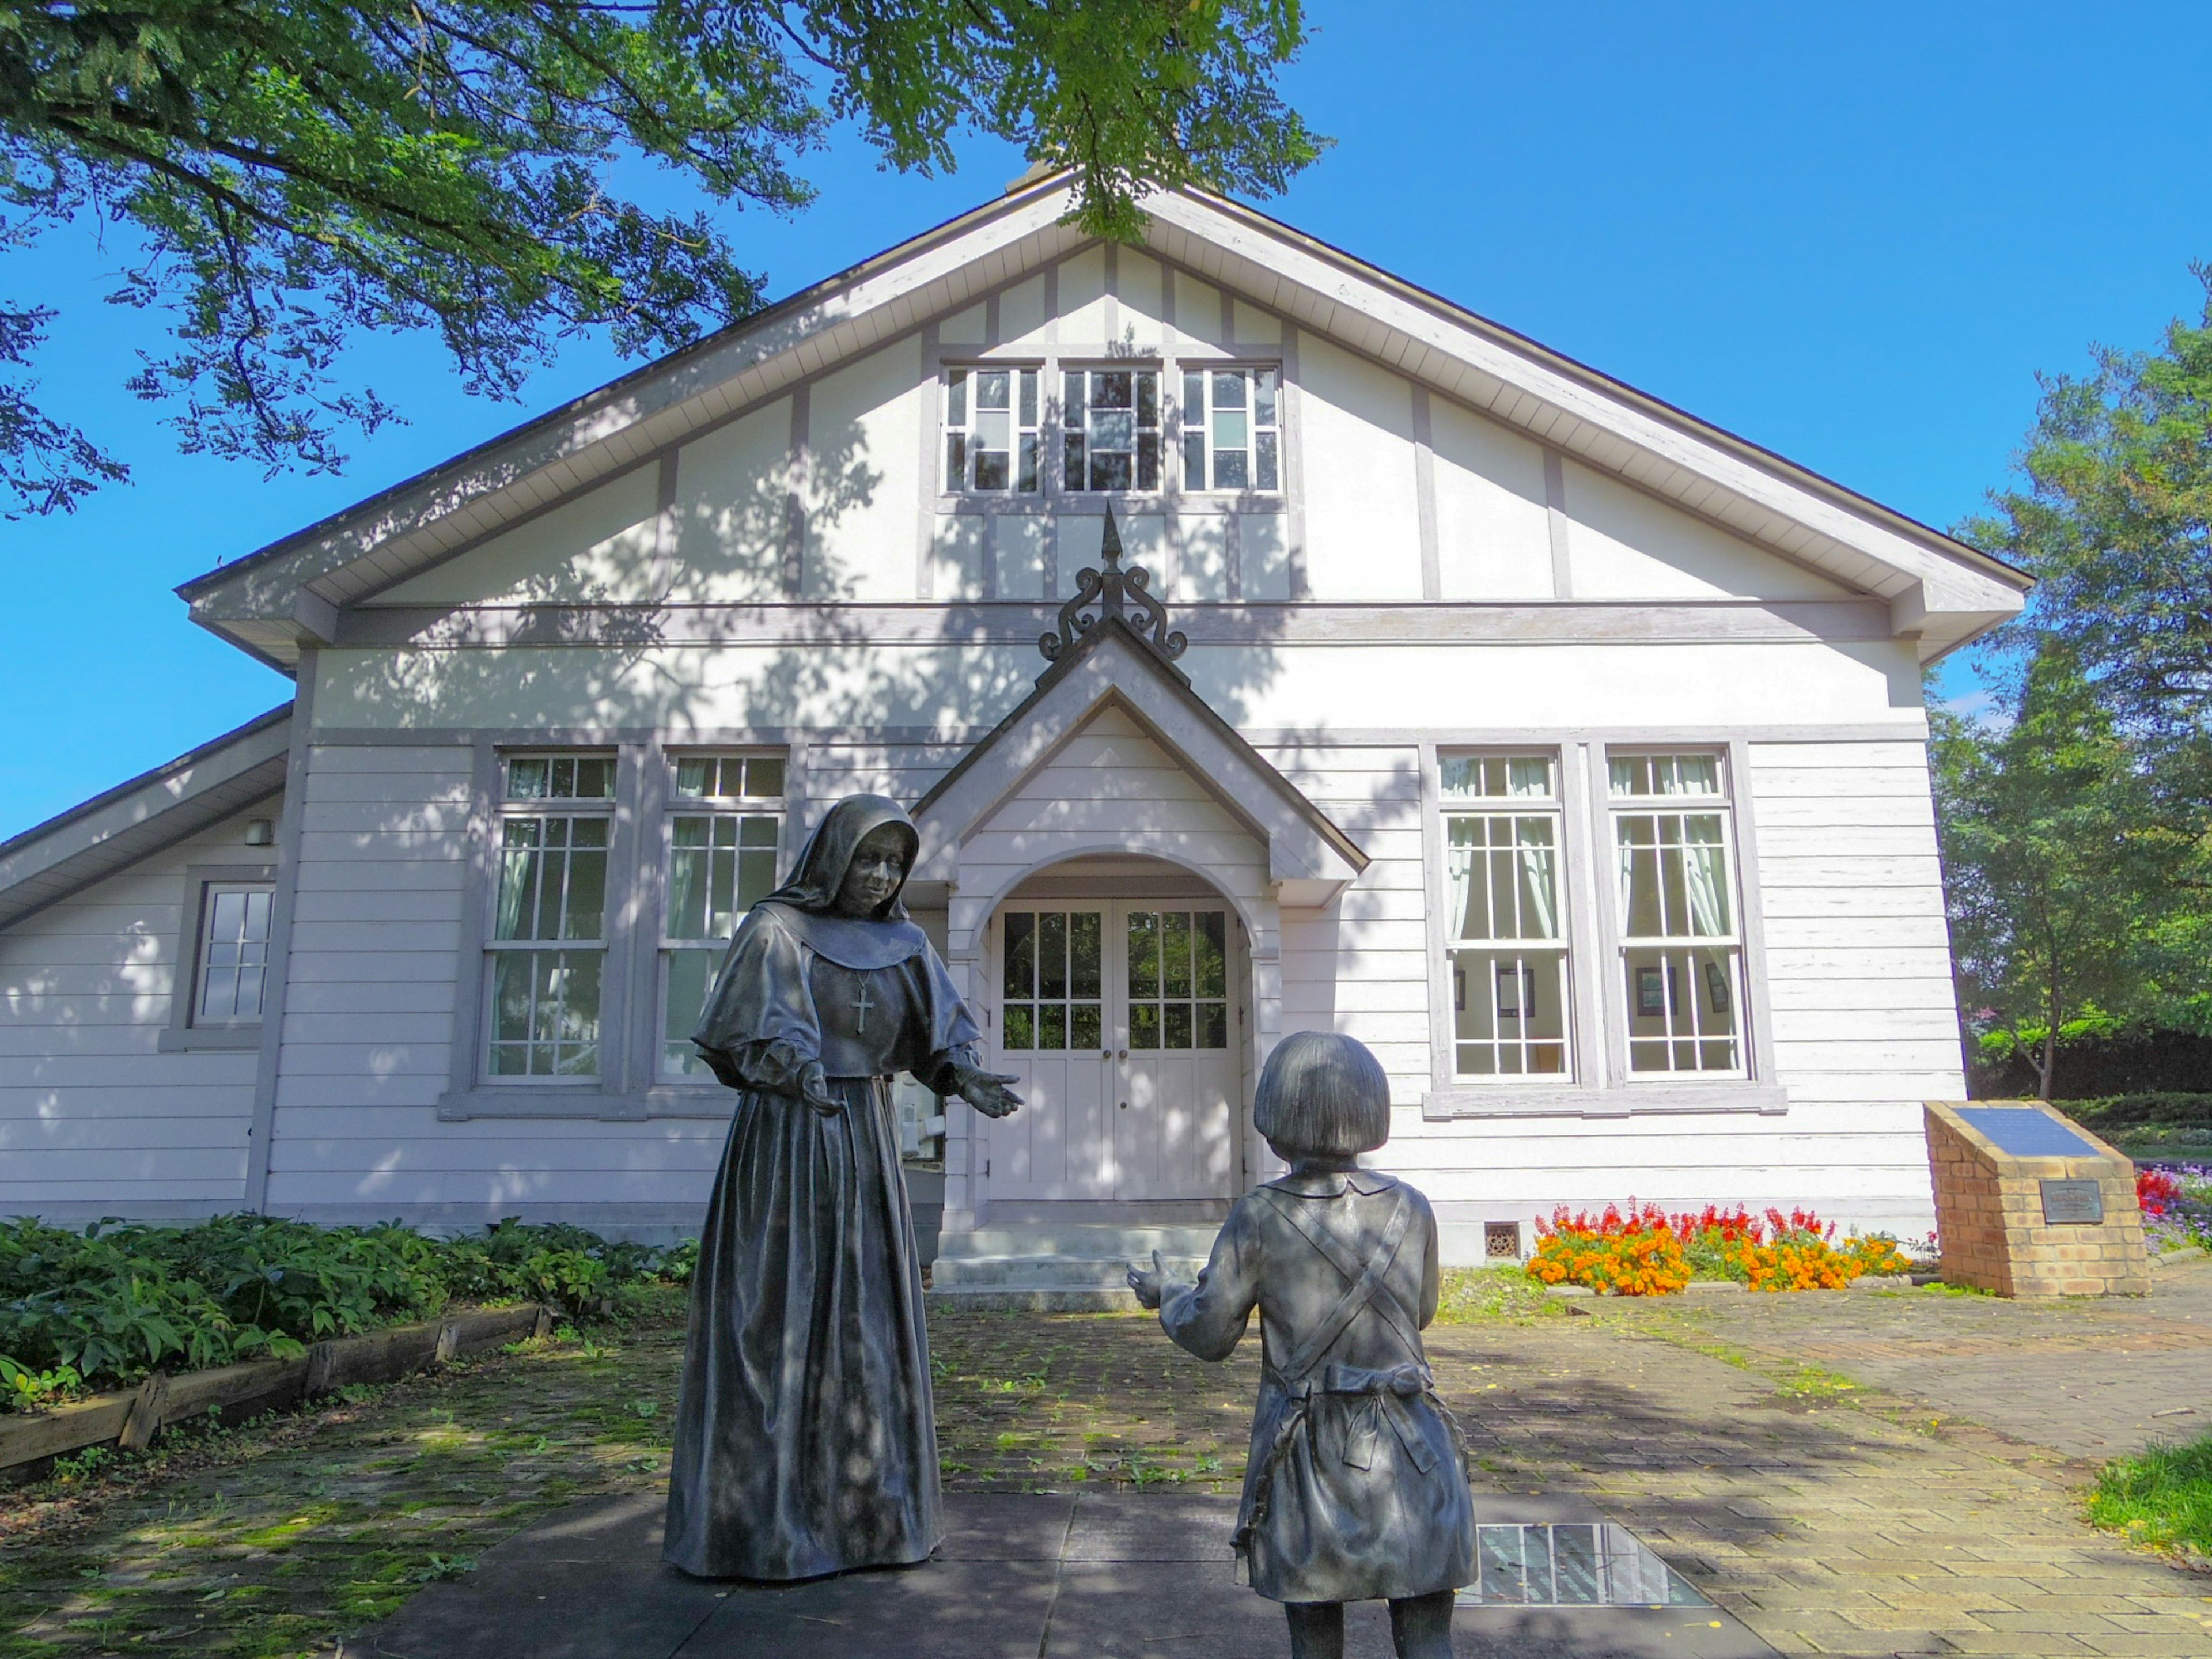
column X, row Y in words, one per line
column 1149, row 1282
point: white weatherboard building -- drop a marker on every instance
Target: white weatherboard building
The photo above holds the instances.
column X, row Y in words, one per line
column 1565, row 749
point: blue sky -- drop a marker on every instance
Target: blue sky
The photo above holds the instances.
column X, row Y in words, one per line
column 1852, row 234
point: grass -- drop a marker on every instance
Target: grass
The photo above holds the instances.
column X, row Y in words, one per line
column 2160, row 1499
column 2183, row 1141
column 1474, row 1295
column 280, row 1538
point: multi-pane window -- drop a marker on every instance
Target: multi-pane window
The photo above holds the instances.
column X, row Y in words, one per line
column 233, row 968
column 1681, row 949
column 1054, row 980
column 724, row 823
column 1231, row 428
column 991, row 442
column 1111, row 429
column 548, row 945
column 1505, row 929
column 1178, row 979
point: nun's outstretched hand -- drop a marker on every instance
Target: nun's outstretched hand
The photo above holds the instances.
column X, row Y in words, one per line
column 985, row 1091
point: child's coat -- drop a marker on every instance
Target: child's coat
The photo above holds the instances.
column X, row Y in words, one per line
column 1357, row 1488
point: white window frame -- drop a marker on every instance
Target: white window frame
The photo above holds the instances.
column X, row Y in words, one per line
column 1065, row 425
column 1603, row 1088
column 1027, row 429
column 1527, row 971
column 1684, row 1009
column 739, row 811
column 1198, row 419
column 185, row 1031
column 508, row 809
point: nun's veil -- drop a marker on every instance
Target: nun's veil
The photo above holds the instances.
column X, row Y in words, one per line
column 827, row 854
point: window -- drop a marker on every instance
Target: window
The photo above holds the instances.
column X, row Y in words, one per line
column 233, row 968
column 1505, row 940
column 1230, row 429
column 548, row 946
column 1054, row 980
column 1681, row 950
column 991, row 443
column 724, row 824
column 1178, row 979
column 1111, row 429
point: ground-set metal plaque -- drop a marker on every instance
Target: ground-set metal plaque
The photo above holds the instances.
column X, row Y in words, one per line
column 2072, row 1203
column 1591, row 1564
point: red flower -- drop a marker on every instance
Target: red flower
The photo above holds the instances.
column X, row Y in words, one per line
column 2156, row 1191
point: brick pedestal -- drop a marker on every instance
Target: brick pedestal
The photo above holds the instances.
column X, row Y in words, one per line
column 1990, row 1219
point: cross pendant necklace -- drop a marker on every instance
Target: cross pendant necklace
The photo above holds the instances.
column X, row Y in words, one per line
column 861, row 1006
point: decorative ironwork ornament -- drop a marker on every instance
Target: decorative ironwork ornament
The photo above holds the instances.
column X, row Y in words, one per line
column 1124, row 595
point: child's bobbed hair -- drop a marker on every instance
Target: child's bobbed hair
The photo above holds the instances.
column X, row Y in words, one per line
column 1322, row 1094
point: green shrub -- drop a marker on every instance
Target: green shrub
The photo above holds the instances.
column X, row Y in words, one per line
column 2139, row 1111
column 110, row 1304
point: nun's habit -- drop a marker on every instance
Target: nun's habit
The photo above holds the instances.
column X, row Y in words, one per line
column 804, row 1440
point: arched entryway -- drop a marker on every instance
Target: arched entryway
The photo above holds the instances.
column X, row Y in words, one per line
column 1118, row 989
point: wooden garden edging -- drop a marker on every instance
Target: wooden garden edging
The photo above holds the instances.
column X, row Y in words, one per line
column 130, row 1419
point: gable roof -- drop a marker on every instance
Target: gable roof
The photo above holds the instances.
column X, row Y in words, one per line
column 156, row 809
column 290, row 592
column 1110, row 663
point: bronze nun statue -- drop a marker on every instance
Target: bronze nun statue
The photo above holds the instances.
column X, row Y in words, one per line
column 1357, row 1486
column 805, row 1442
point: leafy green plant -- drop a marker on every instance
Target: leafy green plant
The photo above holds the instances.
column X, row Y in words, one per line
column 108, row 1304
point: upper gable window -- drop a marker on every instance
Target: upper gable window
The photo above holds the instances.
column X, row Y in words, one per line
column 992, row 446
column 1110, row 422
column 1232, row 429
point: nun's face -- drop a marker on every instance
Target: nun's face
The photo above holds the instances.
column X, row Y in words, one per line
column 878, row 866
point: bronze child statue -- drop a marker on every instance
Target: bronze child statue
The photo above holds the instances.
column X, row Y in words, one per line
column 1357, row 1487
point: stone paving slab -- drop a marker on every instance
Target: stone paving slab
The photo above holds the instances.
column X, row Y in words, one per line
column 2091, row 1380
column 1826, row 1528
column 1030, row 1576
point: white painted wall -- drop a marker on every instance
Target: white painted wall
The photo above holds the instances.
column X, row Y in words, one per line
column 1861, row 997
column 863, row 470
column 94, row 1119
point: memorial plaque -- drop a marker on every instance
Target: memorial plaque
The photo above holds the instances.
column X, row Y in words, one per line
column 2072, row 1203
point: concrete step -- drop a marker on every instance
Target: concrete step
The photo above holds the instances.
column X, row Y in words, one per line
column 1063, row 1268
column 1053, row 1271
column 1093, row 1241
column 1006, row 1298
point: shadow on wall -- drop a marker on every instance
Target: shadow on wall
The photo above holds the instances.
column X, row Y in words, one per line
column 671, row 636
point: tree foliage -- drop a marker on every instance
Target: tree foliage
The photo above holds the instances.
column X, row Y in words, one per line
column 2078, row 841
column 2113, row 517
column 2061, row 882
column 296, row 172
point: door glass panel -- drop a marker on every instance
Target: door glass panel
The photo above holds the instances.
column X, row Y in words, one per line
column 1178, row 979
column 1052, row 981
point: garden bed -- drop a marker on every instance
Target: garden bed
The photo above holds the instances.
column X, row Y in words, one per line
column 1645, row 1250
column 130, row 1420
column 114, row 1303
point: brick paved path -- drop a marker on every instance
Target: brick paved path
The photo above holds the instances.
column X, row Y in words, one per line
column 1827, row 1526
column 2092, row 1380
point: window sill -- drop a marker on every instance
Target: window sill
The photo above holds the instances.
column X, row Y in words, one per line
column 191, row 1039
column 1459, row 1100
column 552, row 1101
column 1077, row 503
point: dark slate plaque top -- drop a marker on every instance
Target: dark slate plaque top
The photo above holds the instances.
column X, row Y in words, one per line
column 2026, row 1133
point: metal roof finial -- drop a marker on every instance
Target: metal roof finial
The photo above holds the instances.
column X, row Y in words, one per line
column 1124, row 595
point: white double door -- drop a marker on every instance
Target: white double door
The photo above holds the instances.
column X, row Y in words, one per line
column 1121, row 1021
